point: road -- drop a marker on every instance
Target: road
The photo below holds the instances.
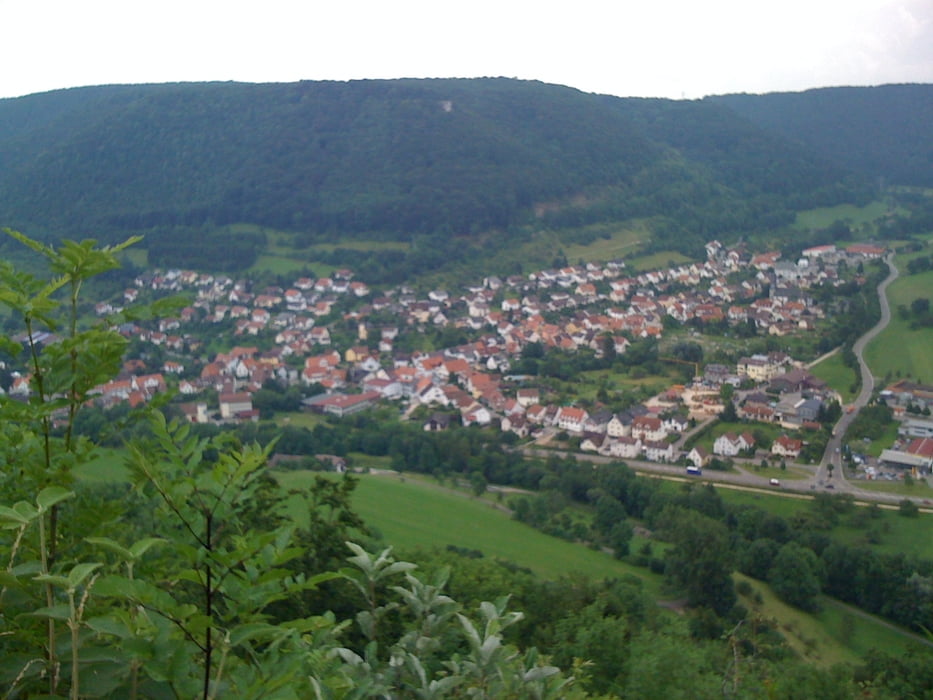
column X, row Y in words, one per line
column 833, row 454
column 822, row 477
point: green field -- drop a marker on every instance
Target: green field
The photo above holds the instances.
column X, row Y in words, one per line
column 657, row 261
column 411, row 514
column 861, row 217
column 899, row 351
column 611, row 243
column 838, row 375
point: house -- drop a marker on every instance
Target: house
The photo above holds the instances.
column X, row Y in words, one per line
column 786, row 447
column 648, row 428
column 438, row 422
column 699, row 457
column 528, row 397
column 235, row 405
column 592, row 442
column 731, row 445
column 659, row 451
column 625, row 448
column 620, row 425
column 571, row 419
column 345, row 404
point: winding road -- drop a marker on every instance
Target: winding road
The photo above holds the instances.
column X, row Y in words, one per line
column 833, row 454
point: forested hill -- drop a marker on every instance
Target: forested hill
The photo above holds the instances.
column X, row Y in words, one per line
column 882, row 132
column 396, row 159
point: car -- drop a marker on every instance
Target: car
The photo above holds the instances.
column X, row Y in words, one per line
column 774, row 482
column 830, row 486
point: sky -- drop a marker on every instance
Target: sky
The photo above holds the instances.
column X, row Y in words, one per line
column 649, row 48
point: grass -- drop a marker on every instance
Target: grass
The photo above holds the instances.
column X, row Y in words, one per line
column 707, row 437
column 864, row 217
column 918, row 488
column 899, row 350
column 839, row 376
column 804, row 633
column 836, row 634
column 612, row 243
column 884, row 442
column 656, row 261
column 362, row 245
column 412, row 514
column 771, row 472
column 300, row 419
column 284, row 265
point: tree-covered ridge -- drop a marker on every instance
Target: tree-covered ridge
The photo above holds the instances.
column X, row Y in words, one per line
column 881, row 132
column 392, row 158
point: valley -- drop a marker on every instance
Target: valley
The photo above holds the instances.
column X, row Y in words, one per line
column 342, row 383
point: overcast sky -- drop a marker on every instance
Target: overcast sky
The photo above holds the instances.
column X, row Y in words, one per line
column 652, row 48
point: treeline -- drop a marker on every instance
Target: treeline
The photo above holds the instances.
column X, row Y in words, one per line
column 396, row 160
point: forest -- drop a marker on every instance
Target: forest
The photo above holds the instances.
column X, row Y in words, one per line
column 192, row 580
column 475, row 165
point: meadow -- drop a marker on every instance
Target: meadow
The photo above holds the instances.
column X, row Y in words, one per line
column 900, row 351
column 835, row 634
column 855, row 216
column 416, row 514
column 839, row 376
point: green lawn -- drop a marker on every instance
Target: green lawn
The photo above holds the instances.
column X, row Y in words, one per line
column 899, row 350
column 411, row 514
column 707, row 437
column 301, row 419
column 838, row 375
column 770, row 472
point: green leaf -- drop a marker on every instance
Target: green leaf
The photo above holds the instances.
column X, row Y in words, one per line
column 141, row 547
column 12, row 516
column 114, row 587
column 59, row 581
column 8, row 580
column 112, row 545
column 56, row 612
column 110, row 625
column 256, row 631
column 80, row 572
column 52, row 495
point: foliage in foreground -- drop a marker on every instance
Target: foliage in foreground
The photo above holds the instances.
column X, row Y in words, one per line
column 194, row 583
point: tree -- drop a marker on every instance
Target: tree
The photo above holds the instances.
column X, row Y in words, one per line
column 699, row 560
column 796, row 575
column 920, row 306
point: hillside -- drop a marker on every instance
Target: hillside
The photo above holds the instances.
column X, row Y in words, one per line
column 439, row 164
column 881, row 132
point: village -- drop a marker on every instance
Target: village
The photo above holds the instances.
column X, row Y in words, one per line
column 338, row 340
